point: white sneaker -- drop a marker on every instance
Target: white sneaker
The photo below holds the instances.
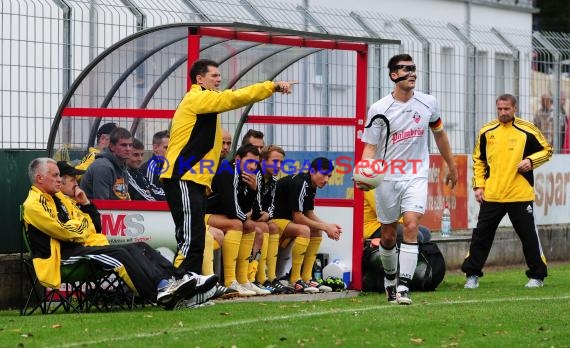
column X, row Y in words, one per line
column 257, row 290
column 203, row 282
column 243, row 292
column 176, row 290
column 472, row 282
column 534, row 283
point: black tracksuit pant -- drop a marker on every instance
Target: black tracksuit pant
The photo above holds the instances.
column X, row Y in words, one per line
column 144, row 273
column 187, row 202
column 521, row 215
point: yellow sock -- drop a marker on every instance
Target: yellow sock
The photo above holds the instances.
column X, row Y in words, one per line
column 230, row 249
column 243, row 257
column 310, row 256
column 272, row 250
column 178, row 259
column 262, row 267
column 208, row 261
column 298, row 250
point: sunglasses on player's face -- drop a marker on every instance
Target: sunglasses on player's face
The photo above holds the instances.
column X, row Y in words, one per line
column 407, row 68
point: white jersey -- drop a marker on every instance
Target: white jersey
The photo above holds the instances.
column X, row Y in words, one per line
column 400, row 132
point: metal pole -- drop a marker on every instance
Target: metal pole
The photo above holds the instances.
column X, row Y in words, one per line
column 470, row 68
column 66, row 64
column 556, row 93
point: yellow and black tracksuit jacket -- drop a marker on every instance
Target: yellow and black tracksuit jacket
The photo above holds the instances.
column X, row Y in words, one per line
column 196, row 133
column 46, row 232
column 500, row 147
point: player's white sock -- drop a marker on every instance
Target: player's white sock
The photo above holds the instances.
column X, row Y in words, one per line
column 389, row 258
column 408, row 261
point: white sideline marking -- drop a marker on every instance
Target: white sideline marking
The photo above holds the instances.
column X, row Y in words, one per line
column 300, row 315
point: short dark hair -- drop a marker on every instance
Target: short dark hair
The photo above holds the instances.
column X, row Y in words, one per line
column 251, row 133
column 119, row 133
column 393, row 62
column 158, row 136
column 201, row 67
column 107, row 128
column 245, row 149
column 322, row 165
column 137, row 144
column 507, row 97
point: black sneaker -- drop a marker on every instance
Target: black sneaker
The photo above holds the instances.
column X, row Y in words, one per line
column 198, row 300
column 391, row 294
column 228, row 292
column 301, row 286
column 279, row 287
column 403, row 297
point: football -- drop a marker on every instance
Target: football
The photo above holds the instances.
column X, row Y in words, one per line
column 368, row 174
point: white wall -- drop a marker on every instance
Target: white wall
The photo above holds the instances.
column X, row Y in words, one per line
column 438, row 10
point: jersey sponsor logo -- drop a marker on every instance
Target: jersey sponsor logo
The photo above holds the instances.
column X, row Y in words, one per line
column 407, row 134
column 417, row 117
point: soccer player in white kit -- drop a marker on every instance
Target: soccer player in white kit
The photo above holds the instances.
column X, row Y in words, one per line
column 396, row 132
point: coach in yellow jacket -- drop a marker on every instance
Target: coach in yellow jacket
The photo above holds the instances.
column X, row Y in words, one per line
column 506, row 152
column 194, row 152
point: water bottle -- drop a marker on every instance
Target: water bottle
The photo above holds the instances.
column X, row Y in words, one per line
column 446, row 222
column 318, row 269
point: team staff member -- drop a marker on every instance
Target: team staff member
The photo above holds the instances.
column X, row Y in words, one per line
column 507, row 151
column 60, row 228
column 195, row 141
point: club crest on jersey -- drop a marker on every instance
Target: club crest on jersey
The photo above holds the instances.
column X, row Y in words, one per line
column 417, row 117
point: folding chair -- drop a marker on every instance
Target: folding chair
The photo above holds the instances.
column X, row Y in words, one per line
column 84, row 285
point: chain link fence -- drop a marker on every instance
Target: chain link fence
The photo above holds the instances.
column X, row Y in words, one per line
column 45, row 45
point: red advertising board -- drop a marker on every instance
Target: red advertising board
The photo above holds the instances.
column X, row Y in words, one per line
column 439, row 193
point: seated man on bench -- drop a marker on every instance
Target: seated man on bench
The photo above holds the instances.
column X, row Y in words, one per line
column 61, row 229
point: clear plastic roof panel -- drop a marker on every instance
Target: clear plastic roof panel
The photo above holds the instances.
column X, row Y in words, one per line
column 148, row 70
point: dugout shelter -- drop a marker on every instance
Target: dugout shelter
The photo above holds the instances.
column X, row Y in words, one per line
column 138, row 82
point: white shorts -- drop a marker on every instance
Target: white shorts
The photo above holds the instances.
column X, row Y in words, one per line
column 393, row 198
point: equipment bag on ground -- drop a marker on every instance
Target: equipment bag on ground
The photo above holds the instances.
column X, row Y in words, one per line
column 430, row 269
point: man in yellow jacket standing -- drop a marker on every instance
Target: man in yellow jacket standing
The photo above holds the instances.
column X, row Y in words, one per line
column 505, row 154
column 194, row 152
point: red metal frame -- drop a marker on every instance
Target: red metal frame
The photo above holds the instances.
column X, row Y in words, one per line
column 131, row 113
column 163, row 205
column 358, row 212
column 286, row 40
column 194, row 35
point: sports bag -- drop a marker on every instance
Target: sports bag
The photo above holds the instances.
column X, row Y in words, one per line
column 430, row 269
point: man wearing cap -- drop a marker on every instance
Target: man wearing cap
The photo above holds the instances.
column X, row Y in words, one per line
column 102, row 142
column 61, row 228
